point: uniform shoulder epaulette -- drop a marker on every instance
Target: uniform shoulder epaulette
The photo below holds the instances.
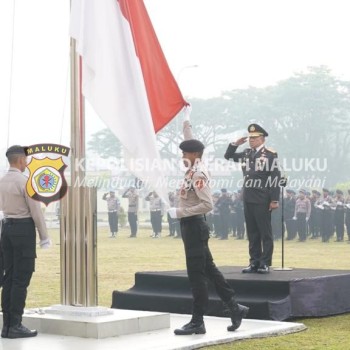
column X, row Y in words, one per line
column 270, row 150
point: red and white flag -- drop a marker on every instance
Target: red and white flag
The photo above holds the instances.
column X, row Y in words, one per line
column 126, row 78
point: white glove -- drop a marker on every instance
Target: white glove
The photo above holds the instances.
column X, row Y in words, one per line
column 348, row 205
column 172, row 213
column 339, row 203
column 294, row 217
column 187, row 113
column 45, row 243
column 307, row 219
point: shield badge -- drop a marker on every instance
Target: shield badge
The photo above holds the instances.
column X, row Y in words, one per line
column 46, row 182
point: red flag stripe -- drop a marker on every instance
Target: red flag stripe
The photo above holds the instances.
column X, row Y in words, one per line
column 164, row 96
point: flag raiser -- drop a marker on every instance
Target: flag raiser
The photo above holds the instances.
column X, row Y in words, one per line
column 126, row 78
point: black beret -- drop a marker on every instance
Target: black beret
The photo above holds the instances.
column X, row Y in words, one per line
column 256, row 130
column 302, row 191
column 16, row 149
column 290, row 191
column 223, row 190
column 325, row 190
column 339, row 192
column 191, row 146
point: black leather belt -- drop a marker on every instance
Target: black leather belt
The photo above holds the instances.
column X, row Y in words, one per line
column 17, row 221
column 194, row 217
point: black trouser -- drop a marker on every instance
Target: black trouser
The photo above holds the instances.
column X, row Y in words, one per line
column 132, row 218
column 225, row 218
column 301, row 226
column 113, row 221
column 259, row 232
column 240, row 225
column 217, row 225
column 339, row 217
column 171, row 222
column 200, row 266
column 291, row 227
column 18, row 247
column 347, row 223
column 327, row 228
column 1, row 266
column 156, row 221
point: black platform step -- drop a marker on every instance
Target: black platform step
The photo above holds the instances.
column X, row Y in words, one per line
column 279, row 295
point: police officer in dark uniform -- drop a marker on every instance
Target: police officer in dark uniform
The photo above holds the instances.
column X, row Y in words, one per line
column 18, row 240
column 339, row 215
column 261, row 191
column 224, row 204
column 195, row 202
column 289, row 209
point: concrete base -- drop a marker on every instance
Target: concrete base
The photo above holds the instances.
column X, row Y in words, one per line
column 115, row 323
column 163, row 339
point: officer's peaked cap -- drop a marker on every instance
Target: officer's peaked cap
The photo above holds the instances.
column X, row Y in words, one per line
column 16, row 149
column 191, row 146
column 256, row 130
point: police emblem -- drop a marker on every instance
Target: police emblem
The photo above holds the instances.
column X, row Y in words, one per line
column 46, row 182
column 252, row 128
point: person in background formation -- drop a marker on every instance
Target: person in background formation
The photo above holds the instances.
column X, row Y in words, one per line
column 133, row 207
column 327, row 227
column 276, row 222
column 289, row 210
column 302, row 214
column 171, row 197
column 224, row 204
column 339, row 215
column 261, row 191
column 156, row 208
column 22, row 215
column 233, row 214
column 113, row 205
column 239, row 209
column 195, row 202
column 347, row 214
column 314, row 229
column 216, row 215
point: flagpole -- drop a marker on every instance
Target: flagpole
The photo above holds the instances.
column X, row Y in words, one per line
column 78, row 225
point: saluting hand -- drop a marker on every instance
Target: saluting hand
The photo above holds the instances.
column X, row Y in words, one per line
column 241, row 141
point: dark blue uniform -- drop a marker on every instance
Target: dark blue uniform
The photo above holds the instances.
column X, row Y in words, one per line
column 260, row 188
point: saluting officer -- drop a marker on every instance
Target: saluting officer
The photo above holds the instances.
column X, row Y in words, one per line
column 195, row 202
column 113, row 206
column 18, row 240
column 156, row 209
column 133, row 208
column 261, row 191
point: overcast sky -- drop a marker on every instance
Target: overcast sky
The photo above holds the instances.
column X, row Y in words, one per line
column 233, row 43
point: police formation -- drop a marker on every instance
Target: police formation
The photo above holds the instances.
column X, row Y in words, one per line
column 316, row 214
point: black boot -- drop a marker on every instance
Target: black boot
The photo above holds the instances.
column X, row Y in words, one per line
column 17, row 330
column 237, row 313
column 195, row 326
column 5, row 325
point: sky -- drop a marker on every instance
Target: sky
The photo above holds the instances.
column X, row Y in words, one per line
column 211, row 46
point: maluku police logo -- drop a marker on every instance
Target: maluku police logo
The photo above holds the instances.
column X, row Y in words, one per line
column 46, row 182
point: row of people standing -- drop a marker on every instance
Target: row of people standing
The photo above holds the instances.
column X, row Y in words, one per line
column 317, row 214
column 227, row 215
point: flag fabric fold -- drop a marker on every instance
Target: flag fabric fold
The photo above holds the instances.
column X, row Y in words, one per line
column 126, row 77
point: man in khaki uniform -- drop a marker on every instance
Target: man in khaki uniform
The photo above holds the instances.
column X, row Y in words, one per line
column 195, row 202
column 18, row 241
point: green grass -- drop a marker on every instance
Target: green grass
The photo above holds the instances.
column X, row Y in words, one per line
column 119, row 259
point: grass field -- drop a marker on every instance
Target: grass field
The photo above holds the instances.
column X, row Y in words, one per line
column 120, row 258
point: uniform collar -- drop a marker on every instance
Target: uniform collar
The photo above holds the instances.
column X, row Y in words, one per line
column 14, row 170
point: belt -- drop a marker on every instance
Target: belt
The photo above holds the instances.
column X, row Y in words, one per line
column 156, row 210
column 112, row 211
column 194, row 217
column 17, row 221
